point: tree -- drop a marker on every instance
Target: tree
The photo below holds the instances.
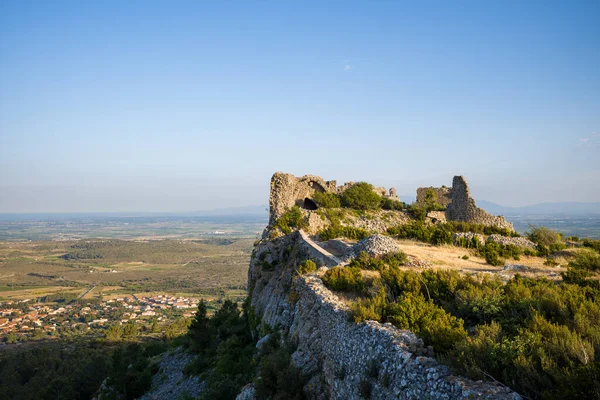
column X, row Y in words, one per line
column 200, row 328
column 114, row 332
column 130, row 330
column 11, row 338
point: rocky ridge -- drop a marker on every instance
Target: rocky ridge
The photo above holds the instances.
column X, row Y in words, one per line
column 340, row 356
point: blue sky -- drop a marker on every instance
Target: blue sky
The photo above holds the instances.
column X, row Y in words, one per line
column 180, row 106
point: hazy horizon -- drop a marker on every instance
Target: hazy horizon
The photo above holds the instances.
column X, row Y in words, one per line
column 162, row 107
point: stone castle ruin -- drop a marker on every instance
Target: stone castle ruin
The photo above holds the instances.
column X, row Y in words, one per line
column 288, row 191
column 460, row 206
column 336, row 354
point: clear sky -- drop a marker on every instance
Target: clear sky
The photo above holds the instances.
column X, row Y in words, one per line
column 181, row 106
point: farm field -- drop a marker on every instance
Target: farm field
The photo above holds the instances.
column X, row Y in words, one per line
column 99, row 268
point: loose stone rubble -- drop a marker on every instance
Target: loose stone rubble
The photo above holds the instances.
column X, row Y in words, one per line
column 376, row 245
column 516, row 241
column 469, row 237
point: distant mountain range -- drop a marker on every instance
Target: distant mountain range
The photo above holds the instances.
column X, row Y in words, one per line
column 563, row 208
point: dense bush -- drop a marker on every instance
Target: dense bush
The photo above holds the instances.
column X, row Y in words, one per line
column 436, row 234
column 392, row 204
column 533, row 335
column 307, row 267
column 364, row 261
column 279, row 378
column 427, row 320
column 417, row 212
column 327, row 199
column 344, row 279
column 349, row 232
column 76, row 370
column 227, row 357
column 496, row 253
column 225, row 350
column 543, row 236
column 361, row 196
column 592, row 244
column 587, row 260
column 463, row 226
column 292, row 219
column 431, row 201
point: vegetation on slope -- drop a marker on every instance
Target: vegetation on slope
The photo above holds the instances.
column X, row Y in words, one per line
column 534, row 335
column 76, row 370
column 227, row 358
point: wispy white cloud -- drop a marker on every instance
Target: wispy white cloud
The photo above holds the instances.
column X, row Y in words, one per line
column 584, row 140
column 347, row 65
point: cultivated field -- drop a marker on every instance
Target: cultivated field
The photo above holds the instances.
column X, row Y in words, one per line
column 214, row 267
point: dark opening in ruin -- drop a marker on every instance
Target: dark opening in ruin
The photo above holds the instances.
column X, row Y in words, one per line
column 309, row 204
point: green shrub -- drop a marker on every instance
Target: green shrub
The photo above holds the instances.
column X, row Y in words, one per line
column 495, row 253
column 327, row 199
column 530, row 252
column 592, row 244
column 361, row 196
column 344, row 279
column 307, row 267
column 369, row 309
column 395, row 259
column 463, row 226
column 556, row 247
column 417, row 212
column 575, row 275
column 430, row 322
column 441, row 235
column 465, row 257
column 333, row 215
column 332, row 232
column 417, row 230
column 544, row 236
column 431, row 201
column 533, row 335
column 292, row 219
column 392, row 204
column 279, row 377
column 550, row 262
column 541, row 250
column 587, row 260
column 493, row 258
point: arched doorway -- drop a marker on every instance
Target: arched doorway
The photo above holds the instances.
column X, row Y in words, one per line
column 309, row 204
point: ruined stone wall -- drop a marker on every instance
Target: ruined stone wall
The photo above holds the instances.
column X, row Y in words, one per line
column 463, row 208
column 444, row 195
column 335, row 352
column 288, row 190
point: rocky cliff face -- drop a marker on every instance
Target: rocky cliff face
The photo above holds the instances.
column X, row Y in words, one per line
column 345, row 360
